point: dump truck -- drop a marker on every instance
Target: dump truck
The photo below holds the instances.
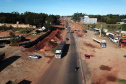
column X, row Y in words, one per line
column 59, row 50
column 101, row 42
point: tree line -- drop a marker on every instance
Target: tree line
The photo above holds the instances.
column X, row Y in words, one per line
column 37, row 19
column 109, row 18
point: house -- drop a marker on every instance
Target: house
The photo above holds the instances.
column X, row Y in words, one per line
column 123, row 19
column 41, row 29
column 120, row 22
column 17, row 25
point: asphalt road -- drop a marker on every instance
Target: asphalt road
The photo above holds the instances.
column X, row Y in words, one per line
column 62, row 71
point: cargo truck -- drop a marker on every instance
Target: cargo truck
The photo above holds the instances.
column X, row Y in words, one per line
column 102, row 42
column 59, row 50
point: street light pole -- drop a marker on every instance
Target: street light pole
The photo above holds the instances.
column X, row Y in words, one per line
column 119, row 37
column 100, row 30
column 101, row 27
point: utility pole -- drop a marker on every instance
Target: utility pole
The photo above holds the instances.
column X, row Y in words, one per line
column 101, row 27
column 100, row 30
column 119, row 36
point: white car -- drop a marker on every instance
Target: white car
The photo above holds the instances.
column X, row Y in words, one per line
column 34, row 56
column 115, row 40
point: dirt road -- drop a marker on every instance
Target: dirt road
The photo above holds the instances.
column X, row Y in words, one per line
column 62, row 71
column 106, row 65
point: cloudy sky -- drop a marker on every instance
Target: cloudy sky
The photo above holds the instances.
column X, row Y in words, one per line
column 65, row 7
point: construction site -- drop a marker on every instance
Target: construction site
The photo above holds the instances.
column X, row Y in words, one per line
column 18, row 67
column 105, row 65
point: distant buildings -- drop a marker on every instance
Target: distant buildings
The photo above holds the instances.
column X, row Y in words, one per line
column 120, row 22
column 17, row 25
column 123, row 21
column 87, row 20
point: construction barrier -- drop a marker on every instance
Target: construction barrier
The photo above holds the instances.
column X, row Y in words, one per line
column 42, row 50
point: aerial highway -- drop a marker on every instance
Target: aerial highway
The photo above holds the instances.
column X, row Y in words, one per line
column 66, row 70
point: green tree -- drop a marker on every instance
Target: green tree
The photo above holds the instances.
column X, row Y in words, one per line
column 13, row 40
column 124, row 27
column 76, row 16
column 12, row 34
column 108, row 21
column 93, row 26
column 47, row 25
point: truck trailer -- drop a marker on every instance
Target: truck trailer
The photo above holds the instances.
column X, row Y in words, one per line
column 59, row 50
column 102, row 42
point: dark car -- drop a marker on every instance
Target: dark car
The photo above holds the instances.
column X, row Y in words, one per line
column 85, row 31
column 67, row 39
column 34, row 56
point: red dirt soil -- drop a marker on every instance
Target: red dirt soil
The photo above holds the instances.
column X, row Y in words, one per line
column 46, row 42
column 43, row 43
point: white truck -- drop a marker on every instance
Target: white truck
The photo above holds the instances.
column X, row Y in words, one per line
column 102, row 42
column 59, row 50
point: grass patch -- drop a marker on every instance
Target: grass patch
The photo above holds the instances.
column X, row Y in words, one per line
column 26, row 31
column 26, row 35
column 54, row 49
column 14, row 42
column 122, row 81
column 17, row 29
column 110, row 27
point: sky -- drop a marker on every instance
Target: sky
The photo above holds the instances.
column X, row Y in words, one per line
column 64, row 7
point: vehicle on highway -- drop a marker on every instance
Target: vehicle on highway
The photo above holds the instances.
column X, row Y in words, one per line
column 71, row 31
column 67, row 31
column 59, row 50
column 85, row 31
column 34, row 56
column 67, row 39
column 76, row 68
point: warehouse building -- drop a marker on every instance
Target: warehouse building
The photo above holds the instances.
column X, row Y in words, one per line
column 87, row 20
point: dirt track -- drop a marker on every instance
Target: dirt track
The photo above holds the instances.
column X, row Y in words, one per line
column 106, row 65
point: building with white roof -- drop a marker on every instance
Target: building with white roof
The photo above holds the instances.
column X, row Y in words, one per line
column 87, row 20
